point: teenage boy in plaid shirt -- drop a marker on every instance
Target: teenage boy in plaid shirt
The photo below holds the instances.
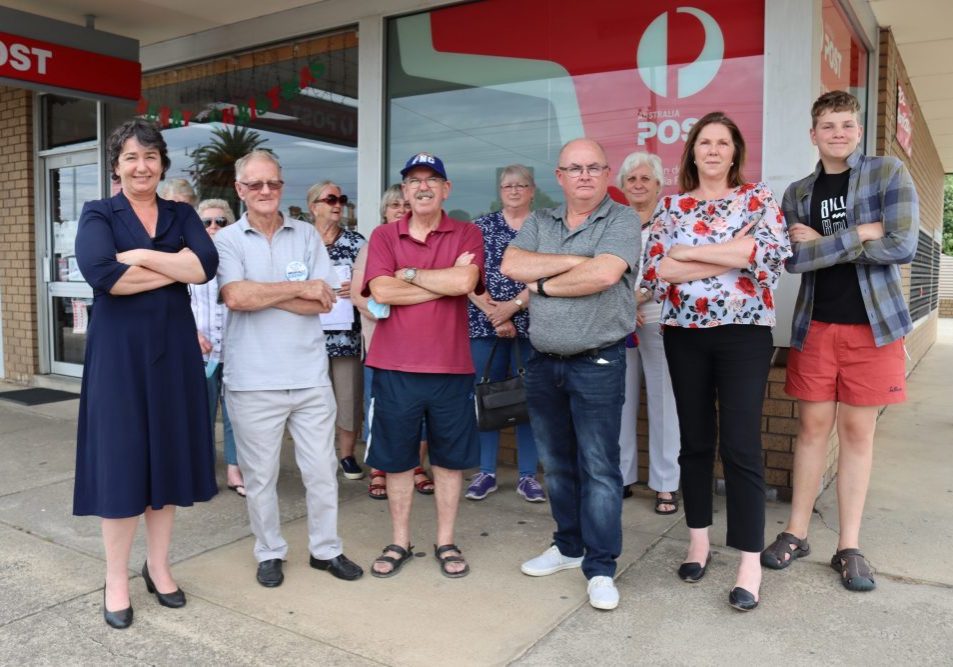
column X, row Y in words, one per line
column 852, row 223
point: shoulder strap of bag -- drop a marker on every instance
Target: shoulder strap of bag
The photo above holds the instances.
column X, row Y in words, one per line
column 489, row 363
column 518, row 357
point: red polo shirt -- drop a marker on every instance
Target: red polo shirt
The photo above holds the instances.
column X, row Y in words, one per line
column 429, row 337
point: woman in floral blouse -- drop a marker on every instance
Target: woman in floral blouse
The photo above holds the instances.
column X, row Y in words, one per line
column 713, row 257
column 326, row 204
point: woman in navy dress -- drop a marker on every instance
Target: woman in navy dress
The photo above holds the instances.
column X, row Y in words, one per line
column 144, row 443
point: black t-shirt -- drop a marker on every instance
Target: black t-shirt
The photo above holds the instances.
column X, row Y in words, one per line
column 837, row 295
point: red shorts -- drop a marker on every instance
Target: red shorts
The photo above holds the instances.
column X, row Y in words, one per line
column 841, row 362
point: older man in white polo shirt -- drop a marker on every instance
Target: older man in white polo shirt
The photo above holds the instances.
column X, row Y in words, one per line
column 276, row 279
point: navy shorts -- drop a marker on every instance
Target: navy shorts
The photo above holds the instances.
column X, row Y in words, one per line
column 399, row 402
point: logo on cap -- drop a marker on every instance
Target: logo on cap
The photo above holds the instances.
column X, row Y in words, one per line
column 425, row 160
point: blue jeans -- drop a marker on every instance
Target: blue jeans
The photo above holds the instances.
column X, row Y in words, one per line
column 575, row 407
column 213, row 386
column 526, row 457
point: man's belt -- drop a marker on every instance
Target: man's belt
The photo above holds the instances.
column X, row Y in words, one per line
column 591, row 353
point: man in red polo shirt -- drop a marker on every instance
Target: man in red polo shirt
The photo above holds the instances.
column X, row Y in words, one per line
column 422, row 267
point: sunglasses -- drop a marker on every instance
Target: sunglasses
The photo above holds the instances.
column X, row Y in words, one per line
column 332, row 200
column 255, row 186
column 220, row 221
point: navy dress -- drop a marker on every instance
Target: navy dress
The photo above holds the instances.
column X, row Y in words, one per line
column 144, row 438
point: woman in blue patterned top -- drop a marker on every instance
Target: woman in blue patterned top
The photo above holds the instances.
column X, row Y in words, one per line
column 326, row 204
column 501, row 313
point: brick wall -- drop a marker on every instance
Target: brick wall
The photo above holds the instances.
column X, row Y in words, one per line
column 17, row 244
column 946, row 307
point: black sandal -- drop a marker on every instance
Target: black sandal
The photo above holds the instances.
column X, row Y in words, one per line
column 438, row 553
column 395, row 563
column 854, row 570
column 773, row 556
column 659, row 501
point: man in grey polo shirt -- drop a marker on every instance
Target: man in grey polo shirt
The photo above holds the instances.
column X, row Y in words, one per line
column 579, row 261
column 276, row 278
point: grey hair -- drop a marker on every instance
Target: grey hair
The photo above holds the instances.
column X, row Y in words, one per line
column 519, row 170
column 206, row 204
column 316, row 189
column 391, row 194
column 637, row 159
column 178, row 186
column 258, row 153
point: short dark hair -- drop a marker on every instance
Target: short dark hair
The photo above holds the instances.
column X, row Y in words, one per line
column 688, row 171
column 835, row 100
column 146, row 133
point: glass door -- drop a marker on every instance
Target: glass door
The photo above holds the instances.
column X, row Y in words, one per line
column 71, row 179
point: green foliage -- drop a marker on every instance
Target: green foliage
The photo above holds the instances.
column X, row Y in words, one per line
column 948, row 215
column 213, row 166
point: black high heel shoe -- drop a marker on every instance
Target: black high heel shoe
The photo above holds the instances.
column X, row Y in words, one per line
column 693, row 572
column 121, row 619
column 173, row 600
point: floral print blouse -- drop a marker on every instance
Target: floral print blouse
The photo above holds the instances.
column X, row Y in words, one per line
column 344, row 251
column 496, row 237
column 737, row 296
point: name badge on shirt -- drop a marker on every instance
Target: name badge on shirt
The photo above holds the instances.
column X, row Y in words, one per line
column 296, row 271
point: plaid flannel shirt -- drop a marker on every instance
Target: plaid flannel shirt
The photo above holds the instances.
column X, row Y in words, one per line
column 880, row 189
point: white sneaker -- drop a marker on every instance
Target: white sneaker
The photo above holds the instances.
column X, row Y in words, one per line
column 602, row 593
column 548, row 562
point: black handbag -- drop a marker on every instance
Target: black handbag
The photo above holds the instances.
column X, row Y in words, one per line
column 502, row 403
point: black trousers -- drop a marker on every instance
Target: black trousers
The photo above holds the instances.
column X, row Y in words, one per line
column 719, row 376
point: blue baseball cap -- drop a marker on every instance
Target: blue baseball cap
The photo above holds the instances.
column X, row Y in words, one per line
column 425, row 160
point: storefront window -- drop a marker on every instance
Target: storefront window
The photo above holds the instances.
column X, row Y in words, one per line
column 69, row 187
column 490, row 83
column 298, row 100
column 843, row 56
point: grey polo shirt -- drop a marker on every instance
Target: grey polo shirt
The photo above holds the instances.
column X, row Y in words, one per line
column 568, row 325
column 272, row 348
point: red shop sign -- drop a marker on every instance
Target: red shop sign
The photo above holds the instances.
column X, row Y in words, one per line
column 642, row 73
column 25, row 59
column 904, row 122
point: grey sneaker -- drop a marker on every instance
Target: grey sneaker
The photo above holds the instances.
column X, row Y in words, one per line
column 481, row 485
column 531, row 489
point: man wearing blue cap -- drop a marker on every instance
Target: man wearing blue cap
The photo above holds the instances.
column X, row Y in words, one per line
column 422, row 267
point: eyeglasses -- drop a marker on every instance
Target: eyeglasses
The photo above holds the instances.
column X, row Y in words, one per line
column 255, row 186
column 332, row 200
column 432, row 181
column 515, row 187
column 399, row 205
column 221, row 221
column 576, row 170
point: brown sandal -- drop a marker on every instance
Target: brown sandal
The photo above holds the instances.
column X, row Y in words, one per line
column 854, row 570
column 785, row 543
column 377, row 490
column 403, row 555
column 425, row 486
column 659, row 501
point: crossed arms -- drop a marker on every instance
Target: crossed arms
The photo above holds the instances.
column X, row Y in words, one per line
column 568, row 275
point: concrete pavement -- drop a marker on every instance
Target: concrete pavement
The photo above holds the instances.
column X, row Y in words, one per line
column 51, row 572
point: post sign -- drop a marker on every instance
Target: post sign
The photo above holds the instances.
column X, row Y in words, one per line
column 58, row 66
column 904, row 121
column 48, row 55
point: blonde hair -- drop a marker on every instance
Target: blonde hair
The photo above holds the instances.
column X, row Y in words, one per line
column 258, row 153
column 206, row 204
column 178, row 186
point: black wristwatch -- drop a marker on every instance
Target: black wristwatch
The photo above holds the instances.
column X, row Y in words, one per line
column 539, row 287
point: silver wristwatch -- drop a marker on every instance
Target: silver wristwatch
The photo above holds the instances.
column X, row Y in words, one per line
column 519, row 303
column 409, row 274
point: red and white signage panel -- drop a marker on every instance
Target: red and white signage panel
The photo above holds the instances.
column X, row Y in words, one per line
column 643, row 72
column 35, row 61
column 904, row 121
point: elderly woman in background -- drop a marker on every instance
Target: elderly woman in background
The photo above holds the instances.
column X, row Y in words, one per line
column 393, row 208
column 143, row 443
column 179, row 189
column 210, row 318
column 326, row 204
column 640, row 179
column 501, row 313
column 714, row 254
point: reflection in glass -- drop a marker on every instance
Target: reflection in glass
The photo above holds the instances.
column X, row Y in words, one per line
column 70, row 188
column 67, row 120
column 70, row 319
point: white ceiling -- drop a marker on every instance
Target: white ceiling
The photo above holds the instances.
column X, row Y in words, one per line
column 923, row 30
